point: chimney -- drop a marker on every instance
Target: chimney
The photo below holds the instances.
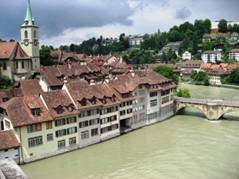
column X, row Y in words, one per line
column 69, row 65
column 65, row 79
column 132, row 73
column 92, row 82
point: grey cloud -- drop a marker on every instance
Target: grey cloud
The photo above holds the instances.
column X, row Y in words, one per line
column 183, row 13
column 54, row 16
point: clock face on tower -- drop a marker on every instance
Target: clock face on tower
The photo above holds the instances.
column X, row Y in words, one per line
column 26, row 42
column 35, row 42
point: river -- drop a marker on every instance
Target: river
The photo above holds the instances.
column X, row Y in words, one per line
column 183, row 147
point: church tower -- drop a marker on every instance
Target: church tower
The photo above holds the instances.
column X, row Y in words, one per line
column 30, row 38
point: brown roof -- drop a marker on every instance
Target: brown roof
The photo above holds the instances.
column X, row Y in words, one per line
column 30, row 87
column 54, row 75
column 12, row 50
column 8, row 140
column 81, row 90
column 19, row 110
column 128, row 83
column 58, row 100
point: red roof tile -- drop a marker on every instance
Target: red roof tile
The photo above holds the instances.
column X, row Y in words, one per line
column 8, row 140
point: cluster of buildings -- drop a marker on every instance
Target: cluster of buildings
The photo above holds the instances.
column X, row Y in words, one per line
column 214, row 71
column 76, row 102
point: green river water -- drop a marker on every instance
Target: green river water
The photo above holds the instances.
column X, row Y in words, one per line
column 183, row 147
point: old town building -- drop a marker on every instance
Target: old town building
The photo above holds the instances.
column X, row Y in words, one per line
column 80, row 114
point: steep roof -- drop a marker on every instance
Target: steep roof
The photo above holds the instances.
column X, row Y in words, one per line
column 8, row 140
column 12, row 50
column 58, row 103
column 30, row 87
column 19, row 110
column 81, row 90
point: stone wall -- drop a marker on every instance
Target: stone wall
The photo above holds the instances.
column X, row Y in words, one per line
column 10, row 170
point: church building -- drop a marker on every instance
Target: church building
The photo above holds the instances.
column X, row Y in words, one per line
column 19, row 60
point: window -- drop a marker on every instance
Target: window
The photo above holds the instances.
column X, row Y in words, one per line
column 72, row 130
column 104, row 130
column 122, row 113
column 104, row 121
column 35, row 34
column 4, row 66
column 72, row 141
column 36, row 141
column 112, row 118
column 93, row 122
column 60, row 122
column 129, row 103
column 129, row 111
column 94, row 132
column 23, row 65
column 16, row 63
column 36, row 112
column 83, row 124
column 71, row 120
column 26, row 34
column 114, row 127
column 49, row 125
column 61, row 133
column 61, row 144
column 49, row 137
column 34, row 128
column 153, row 103
column 153, row 94
column 84, row 135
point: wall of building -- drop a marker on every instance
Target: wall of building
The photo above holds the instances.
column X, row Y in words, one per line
column 91, row 139
column 10, row 154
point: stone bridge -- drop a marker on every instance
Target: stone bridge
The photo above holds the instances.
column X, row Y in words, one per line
column 212, row 109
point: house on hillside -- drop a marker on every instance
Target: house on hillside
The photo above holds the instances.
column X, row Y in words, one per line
column 211, row 56
column 234, row 55
column 187, row 56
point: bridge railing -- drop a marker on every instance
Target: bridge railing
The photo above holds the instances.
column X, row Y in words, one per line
column 208, row 101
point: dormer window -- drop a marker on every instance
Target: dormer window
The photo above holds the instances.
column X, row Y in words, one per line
column 59, row 109
column 103, row 100
column 113, row 98
column 93, row 100
column 36, row 112
column 70, row 108
column 83, row 102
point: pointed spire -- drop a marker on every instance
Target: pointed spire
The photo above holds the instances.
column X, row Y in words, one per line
column 29, row 18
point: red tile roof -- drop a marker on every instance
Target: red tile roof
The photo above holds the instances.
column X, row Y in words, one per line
column 30, row 87
column 19, row 110
column 8, row 140
column 12, row 50
column 59, row 100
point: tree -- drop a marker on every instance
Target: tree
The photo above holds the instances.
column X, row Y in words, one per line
column 207, row 26
column 183, row 92
column 167, row 72
column 5, row 82
column 45, row 57
column 222, row 26
column 234, row 77
column 200, row 77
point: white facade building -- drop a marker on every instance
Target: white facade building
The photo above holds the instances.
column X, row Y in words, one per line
column 211, row 56
column 234, row 55
column 187, row 56
column 135, row 40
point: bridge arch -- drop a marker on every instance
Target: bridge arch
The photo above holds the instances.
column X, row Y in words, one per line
column 228, row 110
column 181, row 106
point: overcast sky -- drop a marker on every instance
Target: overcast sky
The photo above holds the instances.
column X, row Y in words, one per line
column 71, row 21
